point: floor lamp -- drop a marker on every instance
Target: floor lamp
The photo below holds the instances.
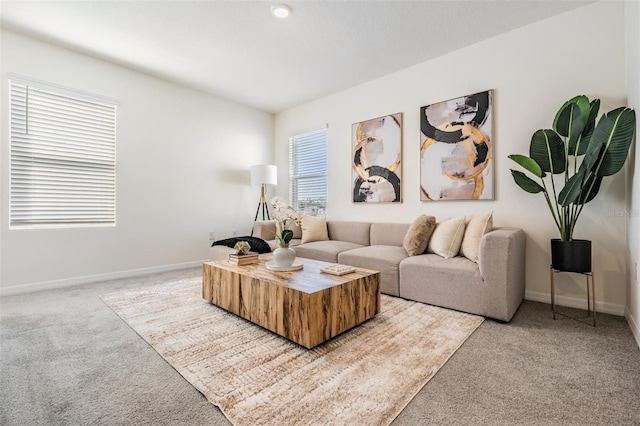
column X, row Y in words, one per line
column 263, row 175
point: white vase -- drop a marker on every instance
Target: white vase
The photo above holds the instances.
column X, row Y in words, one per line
column 283, row 256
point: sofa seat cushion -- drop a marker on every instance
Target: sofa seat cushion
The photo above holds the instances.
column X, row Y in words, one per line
column 454, row 283
column 326, row 251
column 385, row 259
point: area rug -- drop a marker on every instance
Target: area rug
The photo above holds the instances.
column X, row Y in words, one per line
column 365, row 376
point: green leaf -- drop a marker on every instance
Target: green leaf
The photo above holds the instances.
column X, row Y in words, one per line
column 589, row 192
column 614, row 133
column 580, row 147
column 547, row 150
column 526, row 182
column 287, row 235
column 528, row 164
column 571, row 191
column 571, row 118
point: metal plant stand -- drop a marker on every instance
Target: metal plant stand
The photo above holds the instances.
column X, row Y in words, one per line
column 591, row 293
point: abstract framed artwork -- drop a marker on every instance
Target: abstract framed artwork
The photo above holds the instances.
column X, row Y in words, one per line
column 456, row 149
column 376, row 158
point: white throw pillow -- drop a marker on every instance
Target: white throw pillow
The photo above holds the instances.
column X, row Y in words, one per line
column 477, row 226
column 447, row 237
column 314, row 228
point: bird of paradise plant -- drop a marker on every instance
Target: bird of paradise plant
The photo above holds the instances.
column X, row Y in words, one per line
column 583, row 151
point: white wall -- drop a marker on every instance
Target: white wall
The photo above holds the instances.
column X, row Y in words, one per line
column 632, row 28
column 532, row 70
column 183, row 161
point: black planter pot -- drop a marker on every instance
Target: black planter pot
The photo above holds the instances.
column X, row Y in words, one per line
column 571, row 256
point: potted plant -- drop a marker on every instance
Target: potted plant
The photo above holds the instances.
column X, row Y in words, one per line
column 583, row 152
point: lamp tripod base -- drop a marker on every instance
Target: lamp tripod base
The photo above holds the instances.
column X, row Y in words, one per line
column 262, row 204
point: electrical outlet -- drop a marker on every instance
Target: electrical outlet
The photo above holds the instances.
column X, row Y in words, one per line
column 235, row 232
column 212, row 235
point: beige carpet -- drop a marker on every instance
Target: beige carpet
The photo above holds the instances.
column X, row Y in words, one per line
column 366, row 376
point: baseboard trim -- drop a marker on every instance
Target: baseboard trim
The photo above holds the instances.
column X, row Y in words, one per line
column 70, row 282
column 576, row 302
column 633, row 324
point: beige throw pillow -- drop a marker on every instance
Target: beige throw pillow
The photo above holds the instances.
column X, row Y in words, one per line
column 447, row 237
column 477, row 226
column 417, row 237
column 314, row 228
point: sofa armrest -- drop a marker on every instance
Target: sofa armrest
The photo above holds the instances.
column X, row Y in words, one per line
column 501, row 260
column 265, row 229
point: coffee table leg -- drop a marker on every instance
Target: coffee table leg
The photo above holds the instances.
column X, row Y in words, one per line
column 207, row 284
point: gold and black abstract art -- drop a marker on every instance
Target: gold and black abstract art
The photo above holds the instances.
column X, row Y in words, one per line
column 376, row 160
column 456, row 149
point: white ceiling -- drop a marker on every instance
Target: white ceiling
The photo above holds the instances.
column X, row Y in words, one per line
column 239, row 51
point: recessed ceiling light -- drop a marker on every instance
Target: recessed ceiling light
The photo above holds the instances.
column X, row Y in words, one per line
column 281, row 10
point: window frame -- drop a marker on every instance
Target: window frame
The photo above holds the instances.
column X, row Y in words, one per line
column 319, row 134
column 62, row 156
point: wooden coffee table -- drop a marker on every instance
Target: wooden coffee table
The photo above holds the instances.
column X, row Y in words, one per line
column 308, row 307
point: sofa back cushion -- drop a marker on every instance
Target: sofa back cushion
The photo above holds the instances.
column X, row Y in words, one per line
column 388, row 234
column 266, row 229
column 297, row 230
column 353, row 232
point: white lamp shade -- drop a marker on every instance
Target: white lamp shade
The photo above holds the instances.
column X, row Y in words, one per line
column 264, row 174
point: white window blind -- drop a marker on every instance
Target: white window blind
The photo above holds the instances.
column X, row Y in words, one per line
column 308, row 171
column 63, row 162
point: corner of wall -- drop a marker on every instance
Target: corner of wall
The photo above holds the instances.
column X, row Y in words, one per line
column 633, row 324
column 632, row 67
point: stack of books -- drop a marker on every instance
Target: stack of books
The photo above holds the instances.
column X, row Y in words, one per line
column 243, row 259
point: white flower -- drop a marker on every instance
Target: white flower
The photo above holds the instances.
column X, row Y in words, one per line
column 279, row 205
column 284, row 214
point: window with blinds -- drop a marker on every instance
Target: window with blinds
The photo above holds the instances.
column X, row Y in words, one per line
column 63, row 157
column 308, row 172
